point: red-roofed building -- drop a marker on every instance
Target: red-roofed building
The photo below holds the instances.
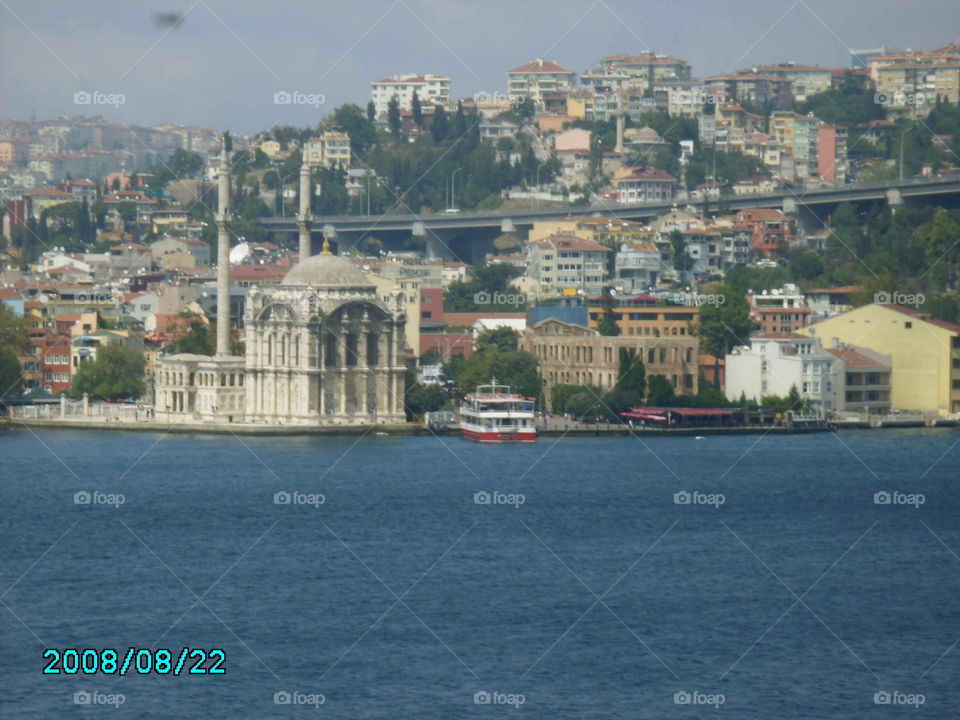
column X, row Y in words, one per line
column 772, row 230
column 640, row 185
column 538, row 78
column 566, row 264
column 250, row 275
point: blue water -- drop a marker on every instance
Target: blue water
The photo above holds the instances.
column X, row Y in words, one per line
column 597, row 597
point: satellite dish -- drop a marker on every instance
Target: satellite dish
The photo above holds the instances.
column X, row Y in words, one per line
column 239, row 253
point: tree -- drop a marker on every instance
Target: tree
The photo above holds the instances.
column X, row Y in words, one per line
column 632, row 375
column 607, row 324
column 350, row 119
column 500, row 338
column 416, row 111
column 393, row 116
column 116, row 373
column 659, row 391
column 681, row 258
column 420, row 399
column 724, row 326
column 371, row 111
column 13, row 330
column 11, row 379
column 440, row 124
column 515, row 368
column 198, row 340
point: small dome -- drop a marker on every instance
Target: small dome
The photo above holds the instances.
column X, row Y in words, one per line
column 326, row 270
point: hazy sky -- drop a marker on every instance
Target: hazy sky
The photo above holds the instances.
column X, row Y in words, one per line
column 223, row 64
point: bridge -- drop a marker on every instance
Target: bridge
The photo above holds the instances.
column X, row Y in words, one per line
column 469, row 234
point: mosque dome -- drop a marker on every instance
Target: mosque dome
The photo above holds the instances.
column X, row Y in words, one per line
column 326, row 270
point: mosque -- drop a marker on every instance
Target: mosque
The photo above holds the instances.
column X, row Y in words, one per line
column 321, row 348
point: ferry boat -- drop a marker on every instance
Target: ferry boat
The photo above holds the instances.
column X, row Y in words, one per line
column 492, row 414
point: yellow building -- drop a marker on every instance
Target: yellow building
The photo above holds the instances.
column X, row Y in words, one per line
column 650, row 320
column 925, row 352
column 567, row 226
column 391, row 280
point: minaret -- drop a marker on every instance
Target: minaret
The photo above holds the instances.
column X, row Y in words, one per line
column 620, row 120
column 223, row 250
column 305, row 219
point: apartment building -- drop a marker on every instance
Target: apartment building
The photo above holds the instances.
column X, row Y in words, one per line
column 805, row 80
column 564, row 264
column 430, row 90
column 645, row 185
column 925, row 352
column 538, row 78
column 775, row 363
column 331, row 149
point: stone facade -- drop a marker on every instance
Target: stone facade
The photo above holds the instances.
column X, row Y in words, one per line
column 571, row 354
column 322, row 349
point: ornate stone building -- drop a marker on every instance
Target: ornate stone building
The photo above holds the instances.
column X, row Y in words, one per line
column 322, row 348
column 571, row 354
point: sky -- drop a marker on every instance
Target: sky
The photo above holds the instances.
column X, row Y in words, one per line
column 222, row 65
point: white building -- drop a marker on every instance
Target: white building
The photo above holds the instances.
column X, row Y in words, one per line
column 430, row 90
column 537, row 78
column 564, row 264
column 637, row 266
column 776, row 362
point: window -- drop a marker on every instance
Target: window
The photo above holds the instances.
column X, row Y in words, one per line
column 908, row 324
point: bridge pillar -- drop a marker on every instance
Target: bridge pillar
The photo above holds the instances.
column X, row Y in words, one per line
column 894, row 199
column 506, row 225
column 789, row 206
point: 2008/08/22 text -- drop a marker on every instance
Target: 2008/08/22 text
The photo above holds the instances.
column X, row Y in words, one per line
column 143, row 661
